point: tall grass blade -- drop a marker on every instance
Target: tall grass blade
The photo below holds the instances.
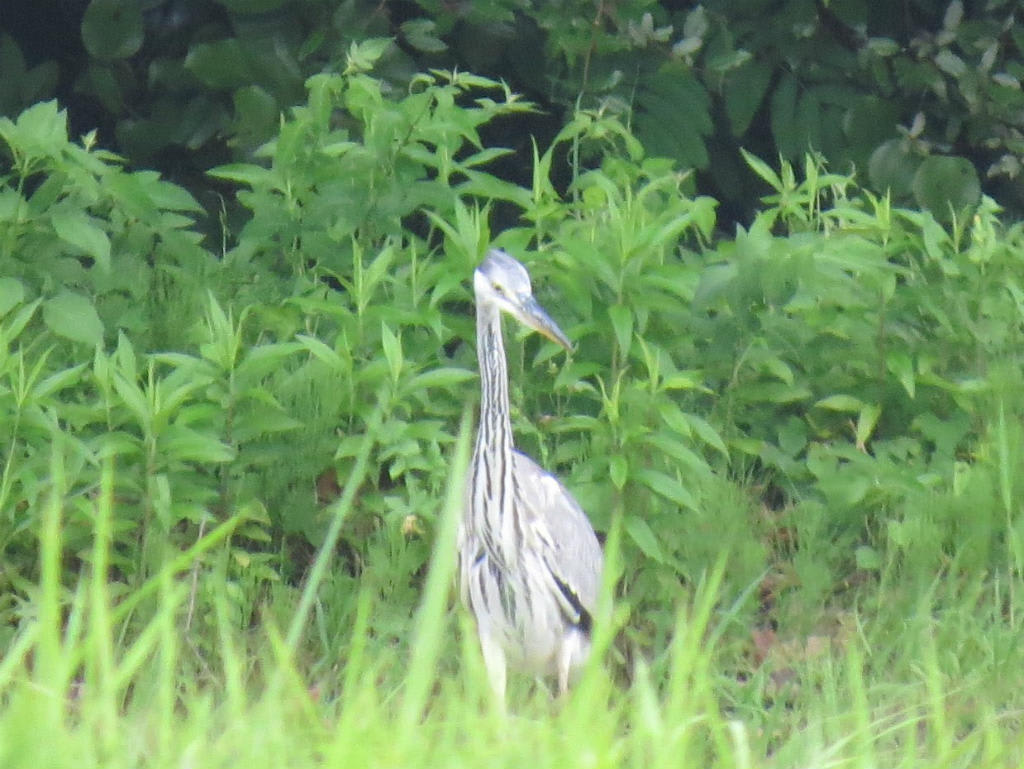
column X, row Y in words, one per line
column 100, row 656
column 430, row 621
column 341, row 510
column 51, row 670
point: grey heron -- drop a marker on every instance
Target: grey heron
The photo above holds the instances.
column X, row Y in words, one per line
column 529, row 561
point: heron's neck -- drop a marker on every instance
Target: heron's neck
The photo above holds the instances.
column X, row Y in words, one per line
column 494, row 435
column 492, row 510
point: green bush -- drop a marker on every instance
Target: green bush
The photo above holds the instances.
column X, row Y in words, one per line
column 230, row 470
column 793, row 395
column 925, row 104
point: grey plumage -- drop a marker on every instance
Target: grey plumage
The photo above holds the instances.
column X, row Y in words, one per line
column 529, row 561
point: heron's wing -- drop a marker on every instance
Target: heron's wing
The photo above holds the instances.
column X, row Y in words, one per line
column 567, row 541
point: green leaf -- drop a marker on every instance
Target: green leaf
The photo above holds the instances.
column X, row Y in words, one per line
column 440, row 377
column 392, row 344
column 364, row 54
column 116, row 444
column 73, row 317
column 337, row 149
column 840, row 403
column 641, row 533
column 867, row 558
column 950, row 63
column 81, row 231
column 667, row 487
column 245, row 173
column 187, row 445
column 866, row 421
column 783, row 117
column 779, row 369
column 12, row 293
column 40, row 131
column 687, row 460
column 902, row 367
column 256, row 114
column 21, row 319
column 702, row 212
column 112, row 29
column 773, row 392
column 750, row 446
column 744, row 94
column 124, row 357
column 675, row 418
column 322, row 352
column 487, row 186
column 421, row 35
column 12, row 64
column 349, row 446
column 683, row 380
column 892, row 166
column 58, row 381
column 708, row 434
column 808, row 121
column 883, row 47
column 763, row 170
column 256, row 533
column 164, row 194
column 674, row 115
column 260, row 361
column 622, row 324
column 374, row 273
column 135, row 399
column 219, row 65
column 792, row 436
column 485, row 156
column 946, row 186
column 868, row 123
column 618, row 470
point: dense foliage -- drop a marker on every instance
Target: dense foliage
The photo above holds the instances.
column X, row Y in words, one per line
column 925, row 102
column 771, row 429
column 840, row 353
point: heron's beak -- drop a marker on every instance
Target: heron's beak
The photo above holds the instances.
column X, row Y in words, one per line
column 533, row 315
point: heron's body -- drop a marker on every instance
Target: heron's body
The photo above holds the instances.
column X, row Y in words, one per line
column 529, row 561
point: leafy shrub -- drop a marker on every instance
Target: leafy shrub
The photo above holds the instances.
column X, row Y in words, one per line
column 837, row 357
column 76, row 227
column 925, row 104
column 231, row 409
column 90, row 252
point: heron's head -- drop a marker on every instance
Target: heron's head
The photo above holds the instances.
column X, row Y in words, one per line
column 505, row 283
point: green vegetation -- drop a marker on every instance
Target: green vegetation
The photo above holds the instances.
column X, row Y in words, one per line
column 926, row 103
column 232, row 464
